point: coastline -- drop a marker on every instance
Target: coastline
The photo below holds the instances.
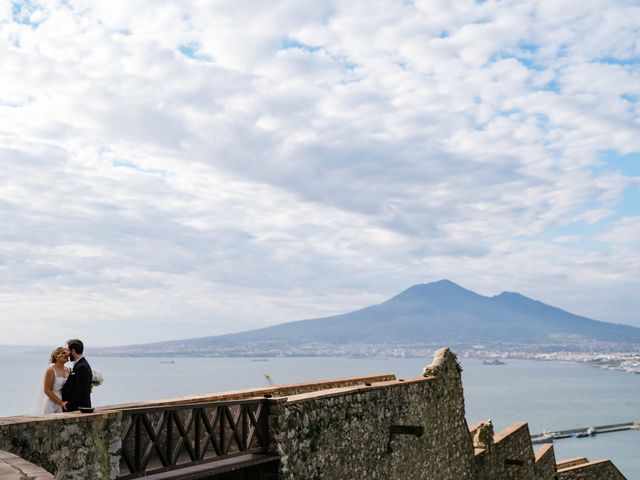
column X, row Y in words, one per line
column 628, row 362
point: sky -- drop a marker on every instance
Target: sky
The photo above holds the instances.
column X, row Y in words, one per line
column 182, row 168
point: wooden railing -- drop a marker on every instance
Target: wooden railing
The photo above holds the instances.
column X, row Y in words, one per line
column 156, row 439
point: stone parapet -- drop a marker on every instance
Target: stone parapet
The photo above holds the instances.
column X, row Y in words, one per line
column 247, row 393
column 347, row 433
column 545, row 462
column 73, row 446
column 509, row 457
column 597, row 470
column 571, row 462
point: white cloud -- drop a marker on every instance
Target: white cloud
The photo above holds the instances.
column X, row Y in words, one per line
column 188, row 169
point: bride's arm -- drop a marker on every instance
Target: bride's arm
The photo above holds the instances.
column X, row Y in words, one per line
column 49, row 379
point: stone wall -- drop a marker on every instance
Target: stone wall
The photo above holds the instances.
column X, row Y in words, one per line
column 73, row 446
column 571, row 462
column 509, row 455
column 546, row 462
column 345, row 433
column 598, row 470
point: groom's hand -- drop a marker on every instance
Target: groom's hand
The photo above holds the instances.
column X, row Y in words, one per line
column 64, row 406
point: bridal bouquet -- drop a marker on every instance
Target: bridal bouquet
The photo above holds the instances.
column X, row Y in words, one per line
column 97, row 379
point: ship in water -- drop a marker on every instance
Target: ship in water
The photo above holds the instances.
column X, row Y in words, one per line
column 495, row 361
column 544, row 438
column 589, row 432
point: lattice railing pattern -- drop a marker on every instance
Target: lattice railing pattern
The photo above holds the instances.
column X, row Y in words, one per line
column 163, row 438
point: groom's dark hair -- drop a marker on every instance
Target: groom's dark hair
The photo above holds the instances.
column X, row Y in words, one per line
column 76, row 344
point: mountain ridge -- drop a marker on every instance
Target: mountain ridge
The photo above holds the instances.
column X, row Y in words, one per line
column 437, row 313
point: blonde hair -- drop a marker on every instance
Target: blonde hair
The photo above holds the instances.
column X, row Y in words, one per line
column 56, row 352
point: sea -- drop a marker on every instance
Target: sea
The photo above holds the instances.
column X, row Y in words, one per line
column 550, row 396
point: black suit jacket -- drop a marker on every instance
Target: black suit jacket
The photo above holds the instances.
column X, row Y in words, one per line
column 77, row 389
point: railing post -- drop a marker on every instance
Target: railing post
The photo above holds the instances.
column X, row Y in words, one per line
column 245, row 427
column 137, row 441
column 222, row 416
column 197, row 443
column 169, row 426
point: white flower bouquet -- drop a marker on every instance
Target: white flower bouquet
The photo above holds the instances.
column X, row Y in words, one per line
column 96, row 379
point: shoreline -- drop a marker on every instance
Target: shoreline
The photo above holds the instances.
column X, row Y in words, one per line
column 627, row 362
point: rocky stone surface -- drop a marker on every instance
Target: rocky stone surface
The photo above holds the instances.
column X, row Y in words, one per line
column 346, row 433
column 599, row 470
column 545, row 462
column 483, row 435
column 510, row 456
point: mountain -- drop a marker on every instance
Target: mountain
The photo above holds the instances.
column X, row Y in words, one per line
column 439, row 313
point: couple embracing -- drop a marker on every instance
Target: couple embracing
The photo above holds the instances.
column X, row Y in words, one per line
column 67, row 389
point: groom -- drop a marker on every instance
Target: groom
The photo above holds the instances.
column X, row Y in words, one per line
column 76, row 391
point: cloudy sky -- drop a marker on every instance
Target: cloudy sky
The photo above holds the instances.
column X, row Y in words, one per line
column 186, row 168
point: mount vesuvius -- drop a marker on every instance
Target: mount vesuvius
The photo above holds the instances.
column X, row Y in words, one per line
column 439, row 313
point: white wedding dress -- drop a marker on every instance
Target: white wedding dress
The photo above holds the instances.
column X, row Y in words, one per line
column 47, row 405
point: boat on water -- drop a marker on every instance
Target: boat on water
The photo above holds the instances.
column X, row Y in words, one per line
column 495, row 361
column 259, row 359
column 544, row 438
column 589, row 432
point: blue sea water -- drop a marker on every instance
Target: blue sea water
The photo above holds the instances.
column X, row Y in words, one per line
column 548, row 395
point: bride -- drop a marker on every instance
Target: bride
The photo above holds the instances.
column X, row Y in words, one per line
column 54, row 377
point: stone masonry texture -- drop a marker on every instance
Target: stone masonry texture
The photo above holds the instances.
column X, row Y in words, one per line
column 601, row 470
column 545, row 462
column 71, row 446
column 345, row 434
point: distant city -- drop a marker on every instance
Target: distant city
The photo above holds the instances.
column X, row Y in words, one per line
column 620, row 357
